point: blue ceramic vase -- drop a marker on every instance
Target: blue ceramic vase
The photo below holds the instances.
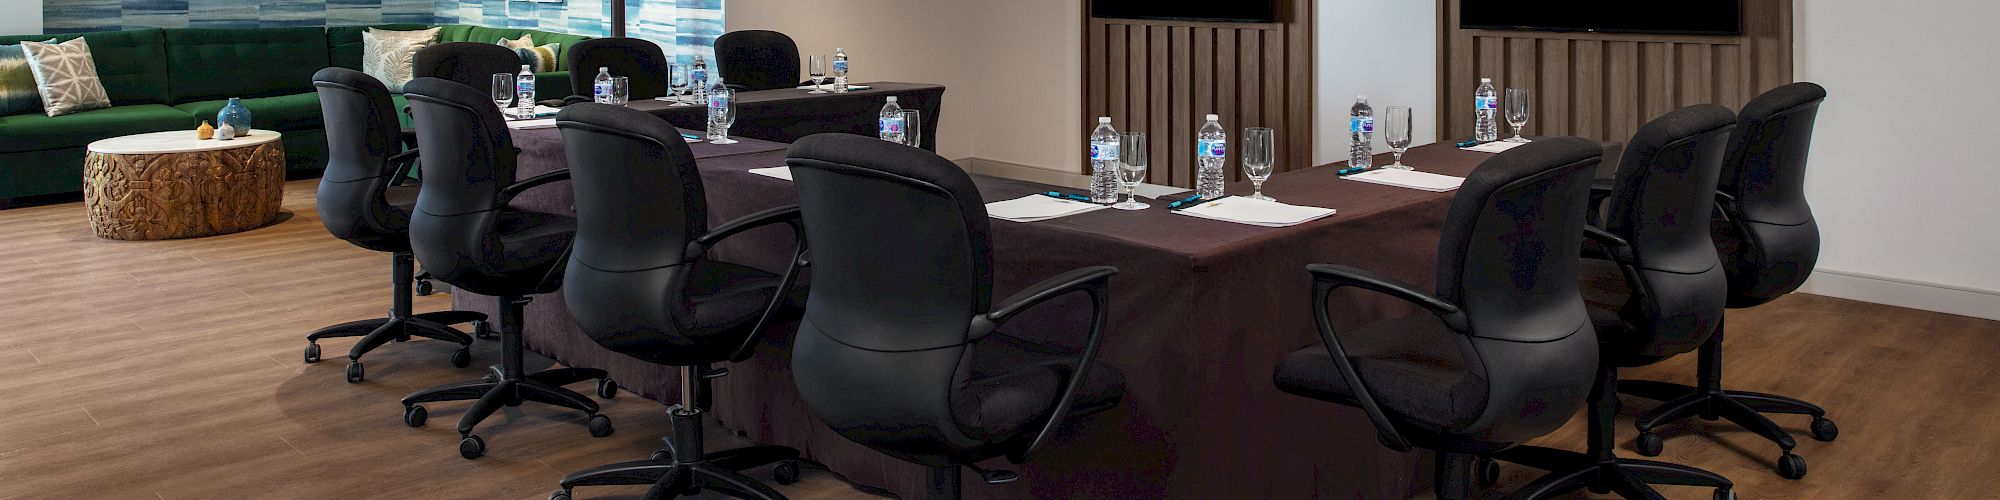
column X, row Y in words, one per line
column 235, row 118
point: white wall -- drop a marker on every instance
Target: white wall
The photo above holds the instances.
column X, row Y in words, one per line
column 23, row 17
column 1028, row 55
column 1385, row 50
column 1903, row 177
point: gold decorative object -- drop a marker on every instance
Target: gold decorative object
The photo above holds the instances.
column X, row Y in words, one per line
column 205, row 131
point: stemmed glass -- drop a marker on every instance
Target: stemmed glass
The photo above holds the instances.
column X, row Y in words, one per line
column 721, row 115
column 1259, row 151
column 1398, row 135
column 1518, row 104
column 818, row 71
column 503, row 91
column 1131, row 169
column 677, row 78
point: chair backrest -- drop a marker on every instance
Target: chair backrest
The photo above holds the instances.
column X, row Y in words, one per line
column 362, row 132
column 758, row 59
column 902, row 262
column 1661, row 204
column 1508, row 255
column 639, row 201
column 469, row 63
column 467, row 157
column 1770, row 242
column 640, row 60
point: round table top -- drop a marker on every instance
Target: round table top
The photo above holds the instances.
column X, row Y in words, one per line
column 177, row 141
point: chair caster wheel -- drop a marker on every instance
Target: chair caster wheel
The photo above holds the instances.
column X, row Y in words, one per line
column 607, row 389
column 481, row 331
column 600, row 426
column 462, row 358
column 354, row 373
column 1488, row 470
column 787, row 472
column 560, row 495
column 1650, row 444
column 312, row 352
column 661, row 455
column 471, row 447
column 1720, row 494
column 425, row 288
column 415, row 416
column 1791, row 466
column 1824, row 430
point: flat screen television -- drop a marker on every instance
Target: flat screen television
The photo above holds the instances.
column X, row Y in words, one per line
column 1246, row 11
column 1691, row 17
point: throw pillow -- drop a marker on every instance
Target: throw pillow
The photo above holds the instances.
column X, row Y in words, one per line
column 17, row 83
column 391, row 56
column 66, row 76
column 542, row 59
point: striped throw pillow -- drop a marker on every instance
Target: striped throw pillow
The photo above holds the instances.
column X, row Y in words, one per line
column 542, row 59
column 17, row 83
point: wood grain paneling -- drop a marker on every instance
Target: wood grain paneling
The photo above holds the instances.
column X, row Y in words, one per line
column 1605, row 85
column 1162, row 77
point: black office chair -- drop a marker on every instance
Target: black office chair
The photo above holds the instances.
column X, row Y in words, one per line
column 361, row 200
column 469, row 63
column 1506, row 352
column 758, row 60
column 641, row 61
column 640, row 283
column 1768, row 242
column 1659, row 295
column 900, row 348
column 465, row 233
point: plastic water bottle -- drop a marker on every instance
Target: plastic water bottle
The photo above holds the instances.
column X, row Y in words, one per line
column 524, row 91
column 718, row 109
column 1211, row 148
column 1487, row 104
column 1361, row 131
column 698, row 78
column 891, row 125
column 1104, row 162
column 600, row 89
column 839, row 70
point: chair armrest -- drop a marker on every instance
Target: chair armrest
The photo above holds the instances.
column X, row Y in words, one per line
column 1095, row 281
column 1618, row 248
column 406, row 161
column 1600, row 190
column 508, row 193
column 1340, row 276
column 788, row 214
column 1326, row 278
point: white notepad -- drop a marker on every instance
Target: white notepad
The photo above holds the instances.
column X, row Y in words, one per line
column 1256, row 212
column 781, row 172
column 1035, row 208
column 829, row 87
column 538, row 123
column 1422, row 181
column 1494, row 147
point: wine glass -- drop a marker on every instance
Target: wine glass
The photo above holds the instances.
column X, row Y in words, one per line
column 1259, row 151
column 721, row 115
column 1131, row 169
column 817, row 68
column 1398, row 134
column 913, row 128
column 1518, row 103
column 503, row 91
column 677, row 78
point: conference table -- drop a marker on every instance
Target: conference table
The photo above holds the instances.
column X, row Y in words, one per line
column 1201, row 311
column 787, row 115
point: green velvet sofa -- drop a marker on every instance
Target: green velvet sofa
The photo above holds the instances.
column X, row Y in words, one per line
column 173, row 79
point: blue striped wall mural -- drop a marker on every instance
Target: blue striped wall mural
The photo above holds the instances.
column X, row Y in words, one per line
column 684, row 28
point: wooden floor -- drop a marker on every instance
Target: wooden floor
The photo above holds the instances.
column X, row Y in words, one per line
column 172, row 370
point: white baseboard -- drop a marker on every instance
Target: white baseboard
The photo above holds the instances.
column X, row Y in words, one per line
column 1942, row 298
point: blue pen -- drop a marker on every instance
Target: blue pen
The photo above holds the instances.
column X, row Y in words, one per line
column 1349, row 171
column 1067, row 196
column 1469, row 143
column 1184, row 201
column 1188, row 203
column 690, row 136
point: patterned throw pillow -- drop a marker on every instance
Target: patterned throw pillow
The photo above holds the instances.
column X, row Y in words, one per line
column 542, row 59
column 66, row 76
column 391, row 56
column 17, row 82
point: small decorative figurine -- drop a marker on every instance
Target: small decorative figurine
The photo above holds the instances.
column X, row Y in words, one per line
column 205, row 132
column 225, row 132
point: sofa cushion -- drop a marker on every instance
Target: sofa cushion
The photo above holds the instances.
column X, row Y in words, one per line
column 208, row 64
column 39, row 132
column 66, row 77
column 131, row 64
column 343, row 43
column 482, row 34
column 283, row 113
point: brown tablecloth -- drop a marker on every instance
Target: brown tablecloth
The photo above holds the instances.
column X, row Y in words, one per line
column 1201, row 312
column 787, row 115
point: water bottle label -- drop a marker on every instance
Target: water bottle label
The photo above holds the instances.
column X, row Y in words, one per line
column 1103, row 152
column 699, row 75
column 840, row 66
column 1487, row 103
column 892, row 126
column 524, row 88
column 1213, row 149
column 718, row 103
column 602, row 89
column 1361, row 124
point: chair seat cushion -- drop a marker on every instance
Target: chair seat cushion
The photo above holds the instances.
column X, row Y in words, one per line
column 724, row 300
column 1014, row 383
column 532, row 245
column 283, row 113
column 36, row 132
column 1414, row 367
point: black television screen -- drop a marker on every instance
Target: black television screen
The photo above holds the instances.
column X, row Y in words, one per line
column 1249, row 11
column 1699, row 17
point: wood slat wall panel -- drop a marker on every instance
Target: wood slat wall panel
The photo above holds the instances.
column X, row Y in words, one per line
column 1605, row 85
column 1162, row 77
